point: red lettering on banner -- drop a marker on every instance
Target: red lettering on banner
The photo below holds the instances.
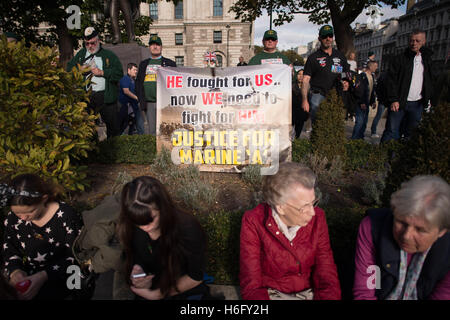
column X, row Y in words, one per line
column 250, row 116
column 263, row 79
column 212, row 97
column 174, row 82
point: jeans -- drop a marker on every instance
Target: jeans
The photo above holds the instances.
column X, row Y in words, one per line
column 314, row 101
column 377, row 118
column 410, row 115
column 123, row 116
column 360, row 122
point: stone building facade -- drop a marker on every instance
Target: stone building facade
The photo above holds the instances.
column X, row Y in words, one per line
column 192, row 28
column 392, row 36
column 433, row 17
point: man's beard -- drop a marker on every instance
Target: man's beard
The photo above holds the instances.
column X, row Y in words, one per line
column 96, row 50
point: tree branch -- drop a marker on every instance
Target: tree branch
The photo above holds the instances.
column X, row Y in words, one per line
column 324, row 7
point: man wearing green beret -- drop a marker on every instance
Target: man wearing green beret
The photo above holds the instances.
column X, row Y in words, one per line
column 146, row 80
column 270, row 55
column 323, row 71
column 105, row 72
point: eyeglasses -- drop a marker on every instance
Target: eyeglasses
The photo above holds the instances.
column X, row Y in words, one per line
column 304, row 207
column 90, row 43
column 327, row 36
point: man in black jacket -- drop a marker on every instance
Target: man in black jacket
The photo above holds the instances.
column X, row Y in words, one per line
column 146, row 80
column 409, row 87
column 365, row 93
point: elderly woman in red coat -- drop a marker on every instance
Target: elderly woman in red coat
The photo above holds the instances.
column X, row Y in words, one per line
column 285, row 249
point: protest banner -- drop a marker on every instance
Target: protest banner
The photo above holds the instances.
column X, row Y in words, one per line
column 223, row 119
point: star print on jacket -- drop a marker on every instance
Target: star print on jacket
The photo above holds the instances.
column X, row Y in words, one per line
column 32, row 248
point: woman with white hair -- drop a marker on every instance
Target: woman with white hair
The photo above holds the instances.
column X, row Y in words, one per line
column 403, row 253
column 285, row 249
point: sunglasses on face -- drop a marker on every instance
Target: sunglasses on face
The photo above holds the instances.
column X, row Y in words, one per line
column 90, row 43
column 327, row 36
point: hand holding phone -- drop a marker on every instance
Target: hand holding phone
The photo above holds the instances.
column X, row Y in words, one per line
column 138, row 275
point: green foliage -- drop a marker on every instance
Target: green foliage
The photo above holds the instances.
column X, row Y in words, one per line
column 367, row 156
column 44, row 126
column 328, row 134
column 373, row 189
column 300, row 149
column 252, row 176
column 326, row 171
column 343, row 226
column 138, row 149
column 317, row 11
column 192, row 191
column 426, row 152
column 223, row 231
column 293, row 56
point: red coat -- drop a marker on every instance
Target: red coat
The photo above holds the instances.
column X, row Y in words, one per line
column 269, row 260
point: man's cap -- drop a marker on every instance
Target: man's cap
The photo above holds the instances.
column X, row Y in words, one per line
column 371, row 53
column 326, row 30
column 90, row 33
column 270, row 34
column 12, row 35
column 155, row 39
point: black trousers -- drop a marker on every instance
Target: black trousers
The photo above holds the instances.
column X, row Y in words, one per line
column 108, row 111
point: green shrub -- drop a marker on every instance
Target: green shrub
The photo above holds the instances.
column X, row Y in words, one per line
column 328, row 134
column 223, row 232
column 252, row 176
column 343, row 224
column 44, row 126
column 137, row 149
column 300, row 148
column 373, row 189
column 192, row 190
column 326, row 171
column 367, row 156
column 426, row 152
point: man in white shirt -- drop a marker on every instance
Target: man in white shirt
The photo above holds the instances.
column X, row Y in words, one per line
column 409, row 88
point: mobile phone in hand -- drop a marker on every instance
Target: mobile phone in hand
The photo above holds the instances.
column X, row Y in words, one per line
column 138, row 275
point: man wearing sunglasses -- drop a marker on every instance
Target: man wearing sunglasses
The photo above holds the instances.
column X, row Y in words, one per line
column 322, row 72
column 270, row 55
column 105, row 72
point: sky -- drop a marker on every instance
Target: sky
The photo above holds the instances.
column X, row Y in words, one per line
column 300, row 31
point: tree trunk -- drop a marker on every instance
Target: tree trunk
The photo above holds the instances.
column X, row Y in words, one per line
column 344, row 36
column 65, row 44
column 341, row 20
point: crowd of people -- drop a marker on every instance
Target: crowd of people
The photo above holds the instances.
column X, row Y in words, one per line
column 405, row 89
column 285, row 251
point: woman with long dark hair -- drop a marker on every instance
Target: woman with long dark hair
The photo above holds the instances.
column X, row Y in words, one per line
column 38, row 237
column 164, row 246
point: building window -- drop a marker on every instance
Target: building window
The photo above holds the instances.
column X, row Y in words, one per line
column 179, row 60
column 179, row 10
column 154, row 10
column 217, row 8
column 217, row 37
column 178, row 39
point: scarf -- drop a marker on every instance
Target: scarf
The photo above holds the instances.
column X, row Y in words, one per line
column 406, row 287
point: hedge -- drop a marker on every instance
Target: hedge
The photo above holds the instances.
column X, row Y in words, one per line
column 136, row 149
